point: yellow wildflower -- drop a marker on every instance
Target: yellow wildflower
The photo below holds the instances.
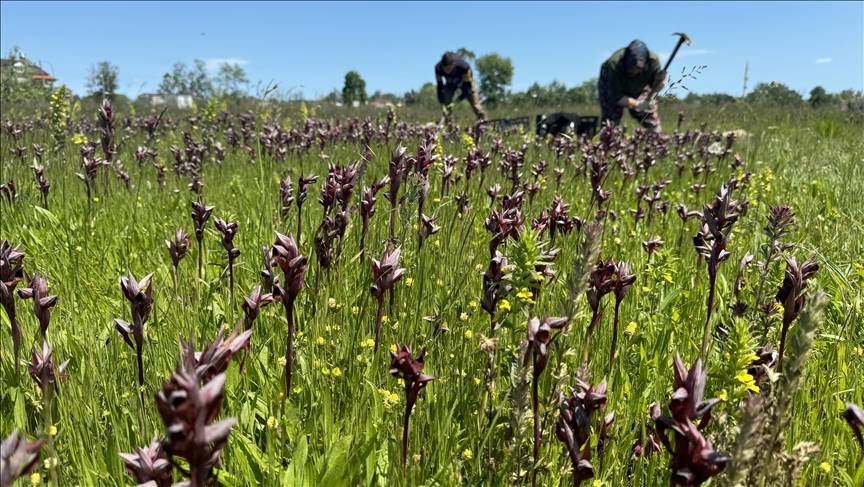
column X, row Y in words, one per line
column 331, row 303
column 337, row 372
column 409, row 281
column 389, row 398
column 525, row 295
column 467, row 454
column 467, row 141
column 320, row 341
column 282, row 361
column 355, row 310
column 35, row 479
column 52, row 430
column 469, row 334
column 749, row 382
column 463, row 316
column 825, row 466
column 504, row 305
column 631, row 328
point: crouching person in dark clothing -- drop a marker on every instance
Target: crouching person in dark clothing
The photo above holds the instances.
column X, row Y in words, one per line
column 454, row 73
column 627, row 80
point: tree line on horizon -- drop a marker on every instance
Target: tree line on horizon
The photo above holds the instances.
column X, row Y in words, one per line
column 494, row 73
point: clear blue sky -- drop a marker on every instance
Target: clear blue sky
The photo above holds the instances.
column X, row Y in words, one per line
column 394, row 45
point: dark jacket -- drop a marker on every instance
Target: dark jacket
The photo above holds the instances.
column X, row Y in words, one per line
column 459, row 77
column 614, row 82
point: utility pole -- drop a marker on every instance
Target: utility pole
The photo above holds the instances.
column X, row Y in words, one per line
column 746, row 67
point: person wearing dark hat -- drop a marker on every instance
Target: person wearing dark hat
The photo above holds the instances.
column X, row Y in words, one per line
column 627, row 80
column 454, row 73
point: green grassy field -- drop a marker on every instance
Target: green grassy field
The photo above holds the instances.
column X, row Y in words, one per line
column 342, row 424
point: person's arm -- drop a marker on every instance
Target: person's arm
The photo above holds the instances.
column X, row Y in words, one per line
column 659, row 74
column 610, row 82
column 439, row 82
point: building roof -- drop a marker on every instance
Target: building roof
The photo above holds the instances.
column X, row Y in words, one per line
column 34, row 70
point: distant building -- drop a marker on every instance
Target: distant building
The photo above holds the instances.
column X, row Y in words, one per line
column 381, row 103
column 23, row 70
column 174, row 101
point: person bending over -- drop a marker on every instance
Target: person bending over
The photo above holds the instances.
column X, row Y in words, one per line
column 629, row 79
column 453, row 73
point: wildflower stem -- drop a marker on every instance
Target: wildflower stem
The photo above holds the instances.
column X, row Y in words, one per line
column 405, row 421
column 706, row 333
column 140, row 358
column 289, row 347
column 48, row 397
column 595, row 319
column 16, row 339
column 614, row 335
column 535, row 405
column 379, row 314
column 299, row 222
column 783, row 331
column 200, row 257
column 231, row 278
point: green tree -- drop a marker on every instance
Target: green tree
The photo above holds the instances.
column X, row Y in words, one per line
column 354, row 88
column 466, row 53
column 16, row 94
column 774, row 93
column 331, row 97
column 819, row 97
column 496, row 74
column 102, row 81
column 426, row 96
column 231, row 79
column 584, row 93
column 183, row 81
column 175, row 81
column 712, row 99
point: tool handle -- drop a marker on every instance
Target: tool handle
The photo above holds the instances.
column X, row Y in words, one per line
column 671, row 57
column 674, row 52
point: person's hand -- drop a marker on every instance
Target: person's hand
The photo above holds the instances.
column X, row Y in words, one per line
column 642, row 105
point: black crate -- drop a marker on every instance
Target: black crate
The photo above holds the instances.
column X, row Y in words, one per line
column 510, row 124
column 561, row 122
